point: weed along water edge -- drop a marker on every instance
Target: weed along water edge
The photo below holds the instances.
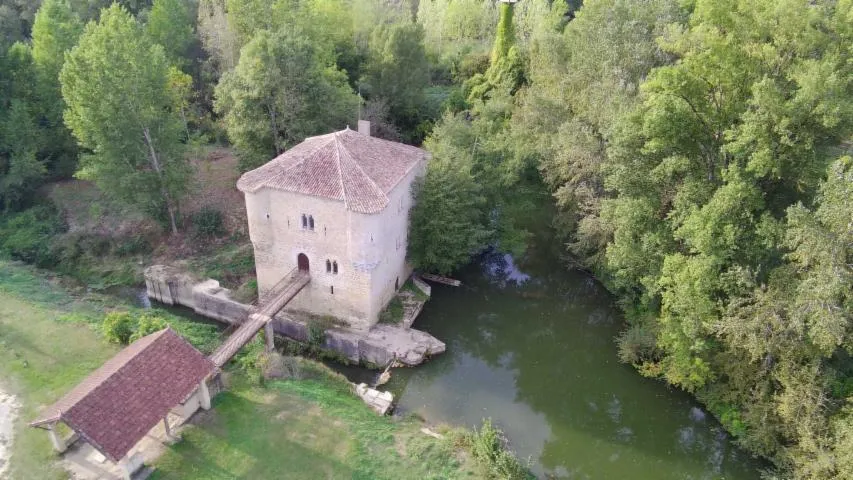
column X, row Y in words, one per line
column 532, row 348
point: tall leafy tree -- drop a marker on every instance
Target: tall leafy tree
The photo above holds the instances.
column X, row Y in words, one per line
column 449, row 221
column 170, row 24
column 583, row 80
column 724, row 141
column 55, row 31
column 116, row 83
column 397, row 72
column 21, row 169
column 281, row 91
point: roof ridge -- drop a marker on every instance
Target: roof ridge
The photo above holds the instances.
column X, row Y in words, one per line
column 340, row 173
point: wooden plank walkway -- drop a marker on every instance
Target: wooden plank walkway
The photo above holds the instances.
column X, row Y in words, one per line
column 268, row 305
column 238, row 340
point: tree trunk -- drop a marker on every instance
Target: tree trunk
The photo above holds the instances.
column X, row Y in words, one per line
column 274, row 128
column 155, row 164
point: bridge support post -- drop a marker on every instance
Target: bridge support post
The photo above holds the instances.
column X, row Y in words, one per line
column 269, row 334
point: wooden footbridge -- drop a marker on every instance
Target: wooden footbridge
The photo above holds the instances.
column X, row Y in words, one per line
column 261, row 316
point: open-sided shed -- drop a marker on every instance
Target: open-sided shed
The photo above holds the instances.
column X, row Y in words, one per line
column 118, row 404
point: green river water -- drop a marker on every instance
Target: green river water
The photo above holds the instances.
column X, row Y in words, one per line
column 532, row 347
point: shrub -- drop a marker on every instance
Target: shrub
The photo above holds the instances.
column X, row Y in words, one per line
column 27, row 236
column 637, row 344
column 147, row 324
column 316, row 335
column 393, row 313
column 317, row 326
column 489, row 448
column 207, row 222
column 132, row 245
column 118, row 327
column 250, row 359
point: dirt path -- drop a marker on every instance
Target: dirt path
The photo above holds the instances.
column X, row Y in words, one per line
column 8, row 410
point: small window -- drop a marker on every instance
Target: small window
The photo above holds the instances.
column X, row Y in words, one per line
column 332, row 289
column 328, row 266
column 304, row 221
column 335, row 267
column 310, row 222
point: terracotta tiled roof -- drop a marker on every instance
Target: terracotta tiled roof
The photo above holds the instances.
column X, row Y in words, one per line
column 357, row 169
column 119, row 403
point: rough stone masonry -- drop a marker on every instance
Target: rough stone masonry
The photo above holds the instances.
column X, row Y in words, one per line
column 380, row 345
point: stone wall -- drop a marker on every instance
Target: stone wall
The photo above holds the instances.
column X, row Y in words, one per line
column 379, row 345
column 275, row 227
column 213, row 301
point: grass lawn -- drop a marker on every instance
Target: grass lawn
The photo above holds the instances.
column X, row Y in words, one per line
column 288, row 429
column 306, row 429
column 44, row 350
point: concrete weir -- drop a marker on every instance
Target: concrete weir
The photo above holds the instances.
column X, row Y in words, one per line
column 380, row 345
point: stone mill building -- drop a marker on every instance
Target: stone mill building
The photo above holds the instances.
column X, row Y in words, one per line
column 337, row 206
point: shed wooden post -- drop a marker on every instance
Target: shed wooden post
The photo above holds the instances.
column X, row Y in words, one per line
column 55, row 439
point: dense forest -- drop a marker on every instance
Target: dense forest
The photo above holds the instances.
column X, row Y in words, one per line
column 694, row 155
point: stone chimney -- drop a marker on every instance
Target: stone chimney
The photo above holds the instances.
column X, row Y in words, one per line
column 364, row 127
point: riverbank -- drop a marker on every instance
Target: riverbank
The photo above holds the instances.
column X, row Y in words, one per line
column 310, row 428
column 327, row 431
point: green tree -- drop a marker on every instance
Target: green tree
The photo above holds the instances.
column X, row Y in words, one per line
column 116, row 85
column 55, row 31
column 583, row 80
column 21, row 139
column 447, row 222
column 280, row 92
column 170, row 24
column 397, row 72
column 704, row 179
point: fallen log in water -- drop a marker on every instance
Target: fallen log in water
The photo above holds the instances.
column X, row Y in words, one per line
column 439, row 279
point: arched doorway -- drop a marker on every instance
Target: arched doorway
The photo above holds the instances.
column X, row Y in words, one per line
column 302, row 262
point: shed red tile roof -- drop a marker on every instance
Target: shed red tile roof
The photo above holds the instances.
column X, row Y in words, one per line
column 119, row 403
column 348, row 166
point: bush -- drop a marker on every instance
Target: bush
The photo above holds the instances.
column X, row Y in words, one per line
column 637, row 344
column 27, row 236
column 207, row 222
column 127, row 327
column 118, row 327
column 133, row 245
column 251, row 359
column 489, row 447
column 147, row 324
column 393, row 313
